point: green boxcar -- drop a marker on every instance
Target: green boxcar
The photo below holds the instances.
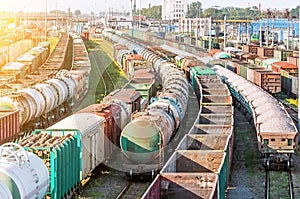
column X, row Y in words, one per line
column 64, row 159
column 198, row 71
column 147, row 90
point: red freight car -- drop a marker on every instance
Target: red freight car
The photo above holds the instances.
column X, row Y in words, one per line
column 9, row 126
column 112, row 130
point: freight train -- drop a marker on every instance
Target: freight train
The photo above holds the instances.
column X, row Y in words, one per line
column 143, row 153
column 274, row 156
column 47, row 94
column 277, row 135
column 200, row 165
column 274, row 70
column 270, row 147
column 71, row 148
column 284, row 156
column 77, row 147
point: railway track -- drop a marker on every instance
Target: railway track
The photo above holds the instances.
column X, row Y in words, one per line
column 293, row 112
column 133, row 190
column 103, row 73
column 279, row 184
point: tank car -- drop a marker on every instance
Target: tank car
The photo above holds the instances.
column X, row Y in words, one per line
column 143, row 139
column 22, row 173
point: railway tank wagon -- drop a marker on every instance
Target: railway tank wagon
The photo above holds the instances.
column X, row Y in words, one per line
column 277, row 135
column 143, row 139
column 49, row 94
column 22, row 173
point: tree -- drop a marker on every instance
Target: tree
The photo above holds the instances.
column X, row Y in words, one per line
column 77, row 13
column 195, row 10
column 153, row 13
column 210, row 12
column 295, row 12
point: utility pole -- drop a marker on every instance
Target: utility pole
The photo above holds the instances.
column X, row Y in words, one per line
column 46, row 20
column 267, row 28
column 260, row 33
column 140, row 16
column 224, row 31
column 15, row 24
column 273, row 21
column 287, row 14
column 209, row 33
column 56, row 13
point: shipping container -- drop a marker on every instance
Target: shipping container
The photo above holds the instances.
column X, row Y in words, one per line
column 282, row 65
column 266, row 79
column 265, row 52
column 267, row 63
column 60, row 150
column 293, row 60
column 250, row 48
column 282, row 55
column 9, row 125
column 259, row 61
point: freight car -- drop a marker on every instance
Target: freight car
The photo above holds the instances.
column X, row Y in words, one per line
column 22, row 173
column 200, row 165
column 144, row 153
column 90, row 143
column 277, row 135
column 284, row 64
column 261, row 109
column 76, row 145
column 47, row 95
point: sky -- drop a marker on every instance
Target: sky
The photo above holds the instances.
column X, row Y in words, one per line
column 87, row 6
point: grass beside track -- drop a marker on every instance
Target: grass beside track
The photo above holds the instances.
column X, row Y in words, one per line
column 53, row 41
column 104, row 52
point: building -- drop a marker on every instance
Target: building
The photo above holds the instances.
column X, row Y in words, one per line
column 174, row 9
column 197, row 26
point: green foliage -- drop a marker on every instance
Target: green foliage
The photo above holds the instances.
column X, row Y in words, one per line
column 77, row 12
column 295, row 12
column 195, row 10
column 153, row 13
column 232, row 13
